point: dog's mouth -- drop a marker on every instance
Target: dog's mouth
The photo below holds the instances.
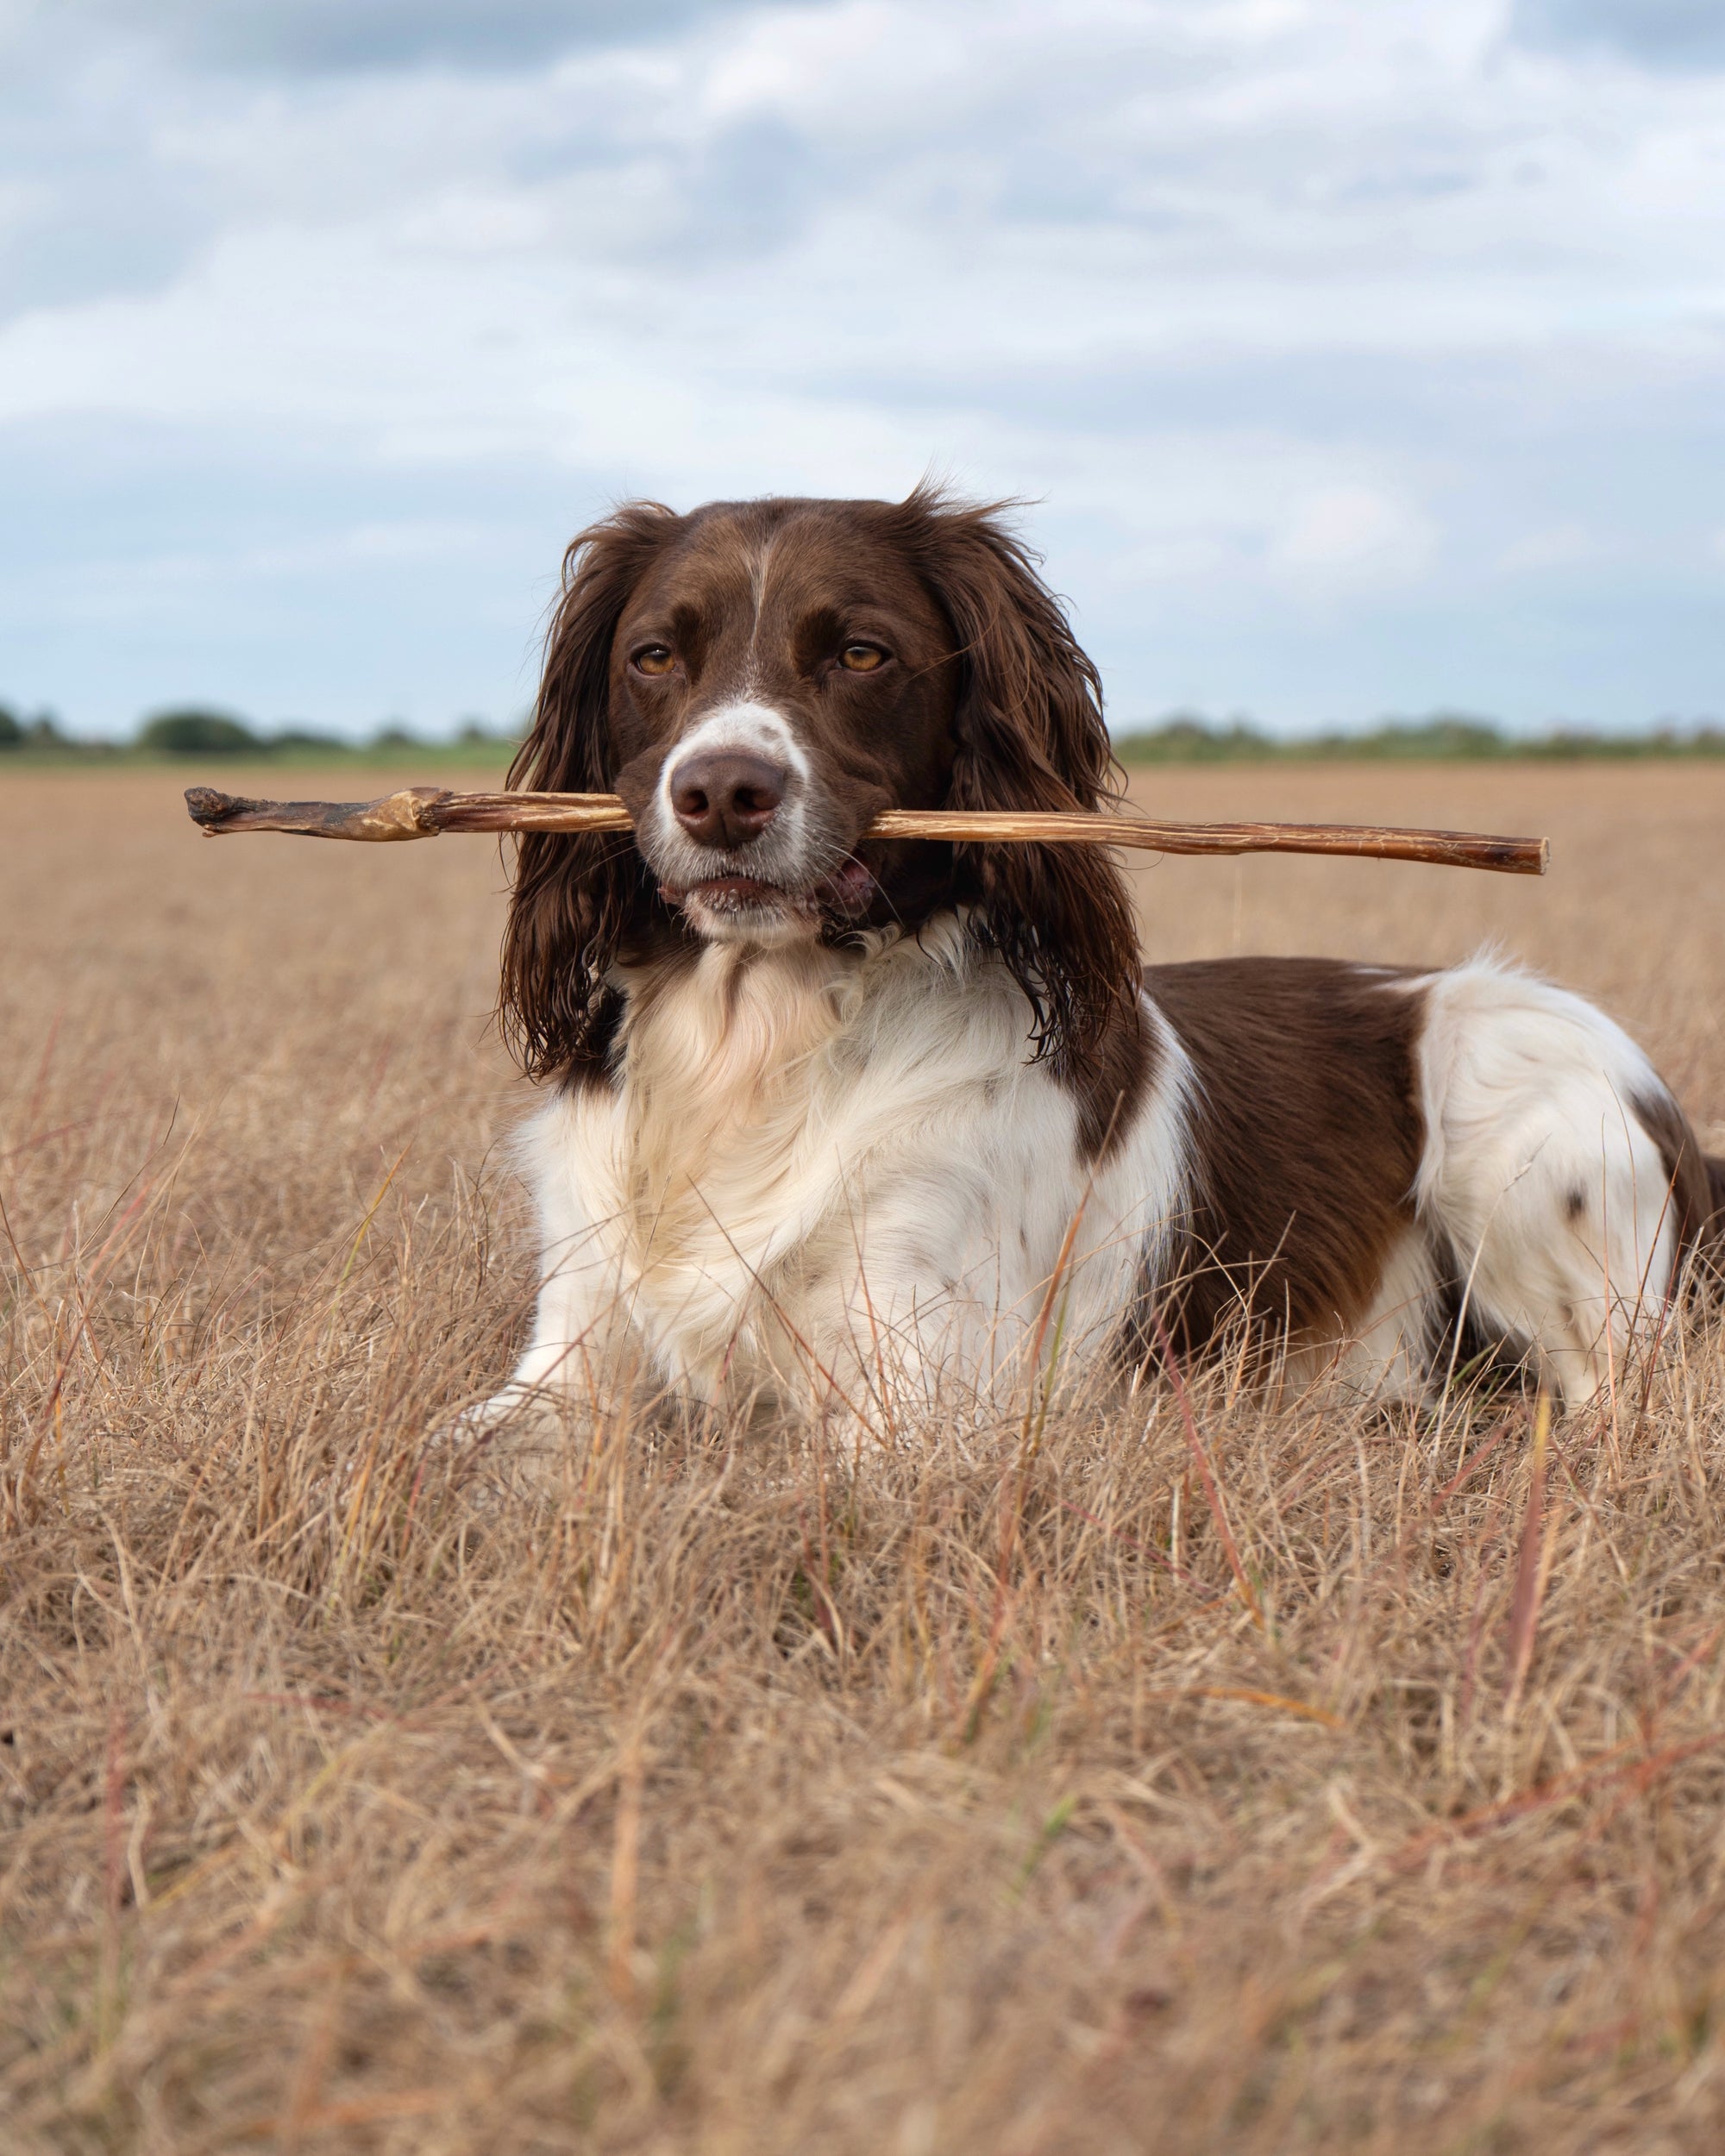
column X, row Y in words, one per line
column 843, row 894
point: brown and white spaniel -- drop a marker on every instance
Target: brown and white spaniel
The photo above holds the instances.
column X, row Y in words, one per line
column 829, row 1114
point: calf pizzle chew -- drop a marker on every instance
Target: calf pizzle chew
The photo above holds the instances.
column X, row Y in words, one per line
column 424, row 812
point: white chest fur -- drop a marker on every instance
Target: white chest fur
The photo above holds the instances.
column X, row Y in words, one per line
column 831, row 1169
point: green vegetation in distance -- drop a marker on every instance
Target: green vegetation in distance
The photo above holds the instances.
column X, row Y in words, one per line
column 194, row 734
column 1445, row 737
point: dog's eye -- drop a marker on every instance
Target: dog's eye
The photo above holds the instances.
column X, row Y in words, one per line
column 861, row 658
column 654, row 659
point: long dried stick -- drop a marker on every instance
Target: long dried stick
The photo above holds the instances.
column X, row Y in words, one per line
column 424, row 812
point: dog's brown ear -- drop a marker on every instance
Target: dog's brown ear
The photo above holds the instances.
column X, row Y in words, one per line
column 576, row 897
column 1030, row 735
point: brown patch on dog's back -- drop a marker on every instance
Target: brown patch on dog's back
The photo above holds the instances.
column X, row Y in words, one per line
column 1305, row 1132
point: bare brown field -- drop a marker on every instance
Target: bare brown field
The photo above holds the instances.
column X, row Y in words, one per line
column 747, row 1797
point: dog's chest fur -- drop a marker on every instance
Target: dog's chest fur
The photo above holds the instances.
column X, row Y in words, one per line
column 776, row 1111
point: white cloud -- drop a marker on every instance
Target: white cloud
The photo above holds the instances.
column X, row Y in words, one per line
column 1552, row 547
column 1351, row 538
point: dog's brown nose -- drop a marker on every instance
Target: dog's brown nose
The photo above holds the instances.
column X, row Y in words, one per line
column 726, row 797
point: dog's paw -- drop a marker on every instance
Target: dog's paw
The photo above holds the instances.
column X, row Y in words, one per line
column 512, row 1445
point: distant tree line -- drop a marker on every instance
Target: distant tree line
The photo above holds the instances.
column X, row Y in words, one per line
column 39, row 732
column 212, row 735
column 1444, row 738
column 1183, row 737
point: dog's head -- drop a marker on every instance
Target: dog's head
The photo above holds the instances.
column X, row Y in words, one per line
column 757, row 680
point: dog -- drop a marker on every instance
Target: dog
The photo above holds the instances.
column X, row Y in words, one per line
column 839, row 1124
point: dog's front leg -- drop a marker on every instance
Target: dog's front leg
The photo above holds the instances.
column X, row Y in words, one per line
column 580, row 1332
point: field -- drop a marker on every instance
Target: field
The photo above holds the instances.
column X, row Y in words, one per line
column 749, row 1797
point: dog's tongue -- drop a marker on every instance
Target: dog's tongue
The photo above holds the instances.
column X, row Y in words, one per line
column 848, row 889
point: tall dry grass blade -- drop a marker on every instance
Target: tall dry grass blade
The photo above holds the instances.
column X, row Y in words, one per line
column 1532, row 1564
column 1249, row 1695
column 626, row 1874
column 113, row 1877
column 1201, row 1460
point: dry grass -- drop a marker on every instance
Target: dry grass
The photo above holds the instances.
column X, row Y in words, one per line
column 750, row 1799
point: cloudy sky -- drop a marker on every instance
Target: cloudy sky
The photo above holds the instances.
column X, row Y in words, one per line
column 1361, row 356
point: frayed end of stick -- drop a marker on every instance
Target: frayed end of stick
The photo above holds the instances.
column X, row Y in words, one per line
column 408, row 814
